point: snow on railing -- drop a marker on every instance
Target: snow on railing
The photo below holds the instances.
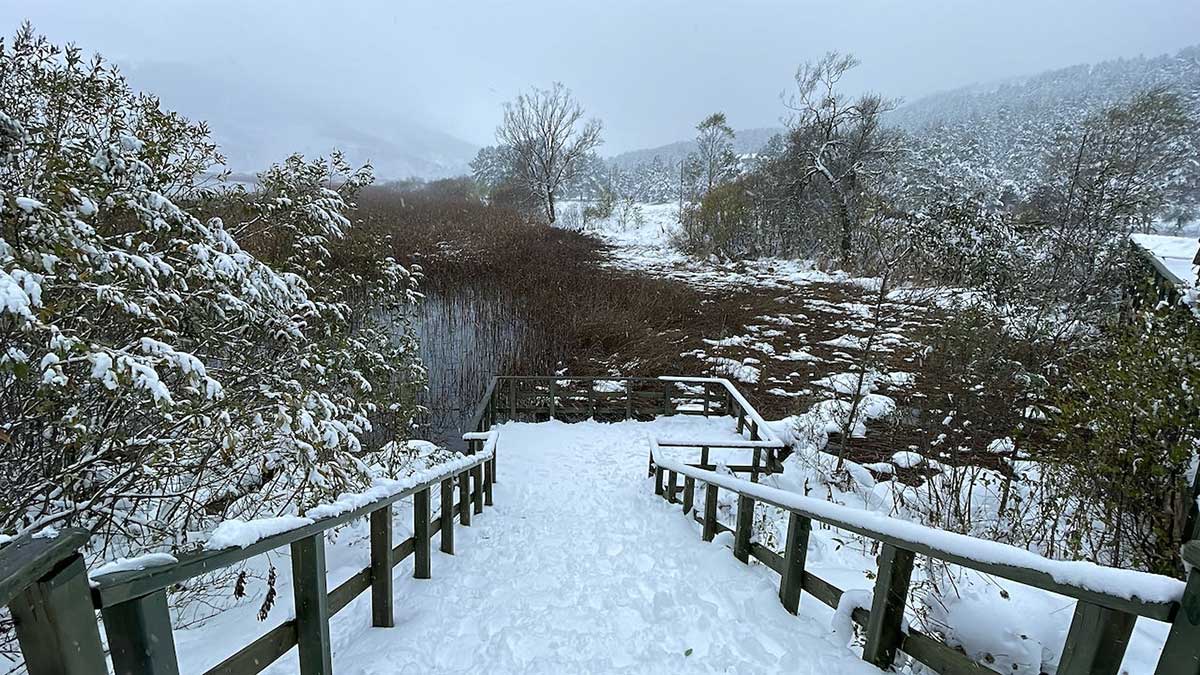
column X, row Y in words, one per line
column 764, row 429
column 132, row 593
column 1108, row 599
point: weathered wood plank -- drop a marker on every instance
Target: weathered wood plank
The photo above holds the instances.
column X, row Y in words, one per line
column 381, row 568
column 672, row 486
column 24, row 560
column 1181, row 654
column 257, row 655
column 55, row 623
column 710, row 512
column 795, row 553
column 139, row 636
column 312, row 605
column 477, row 491
column 446, row 516
column 1159, row 610
column 464, row 498
column 117, row 587
column 766, row 556
column 884, row 631
column 487, row 483
column 689, row 494
column 421, row 535
column 1096, row 641
column 745, row 522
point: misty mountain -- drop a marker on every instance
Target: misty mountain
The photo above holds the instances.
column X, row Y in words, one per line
column 745, row 141
column 256, row 125
column 1002, row 132
column 1056, row 96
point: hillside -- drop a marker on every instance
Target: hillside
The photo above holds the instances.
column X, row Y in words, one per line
column 746, row 141
column 1055, row 95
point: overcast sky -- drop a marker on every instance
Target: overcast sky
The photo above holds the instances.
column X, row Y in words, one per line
column 650, row 69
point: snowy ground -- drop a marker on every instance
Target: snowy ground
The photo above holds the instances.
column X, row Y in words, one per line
column 645, row 245
column 578, row 568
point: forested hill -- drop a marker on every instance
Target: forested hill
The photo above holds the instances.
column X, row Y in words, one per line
column 745, row 141
column 1062, row 95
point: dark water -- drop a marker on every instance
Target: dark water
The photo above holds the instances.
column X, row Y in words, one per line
column 469, row 334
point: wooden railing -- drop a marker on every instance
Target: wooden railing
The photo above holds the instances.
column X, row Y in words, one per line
column 574, row 399
column 45, row 585
column 1100, row 628
column 1168, row 287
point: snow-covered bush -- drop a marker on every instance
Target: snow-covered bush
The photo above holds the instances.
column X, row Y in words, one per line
column 1130, row 424
column 160, row 372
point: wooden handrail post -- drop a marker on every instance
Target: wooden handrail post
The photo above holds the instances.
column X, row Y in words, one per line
column 489, row 467
column 381, row 568
column 421, row 535
column 884, row 631
column 710, row 512
column 312, row 605
column 704, row 457
column 628, row 400
column 757, row 455
column 553, row 395
column 139, row 636
column 745, row 522
column 796, row 552
column 477, row 492
column 512, row 400
column 706, row 397
column 666, row 397
column 1096, row 641
column 658, row 481
column 1181, row 654
column 447, row 516
column 464, row 498
column 689, row 494
column 672, row 485
column 741, row 417
column 56, row 625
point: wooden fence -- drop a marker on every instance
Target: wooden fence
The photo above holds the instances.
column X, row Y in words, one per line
column 1100, row 628
column 1166, row 285
column 611, row 399
column 45, row 585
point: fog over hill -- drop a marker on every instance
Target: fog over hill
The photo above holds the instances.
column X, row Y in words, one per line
column 257, row 125
column 745, row 141
column 1055, row 95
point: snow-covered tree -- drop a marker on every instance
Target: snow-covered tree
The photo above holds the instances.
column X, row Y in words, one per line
column 714, row 162
column 492, row 167
column 549, row 139
column 840, row 142
column 155, row 374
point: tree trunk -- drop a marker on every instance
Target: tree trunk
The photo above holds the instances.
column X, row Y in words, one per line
column 843, row 216
column 550, row 205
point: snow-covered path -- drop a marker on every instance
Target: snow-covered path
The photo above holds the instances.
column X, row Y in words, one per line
column 579, row 568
